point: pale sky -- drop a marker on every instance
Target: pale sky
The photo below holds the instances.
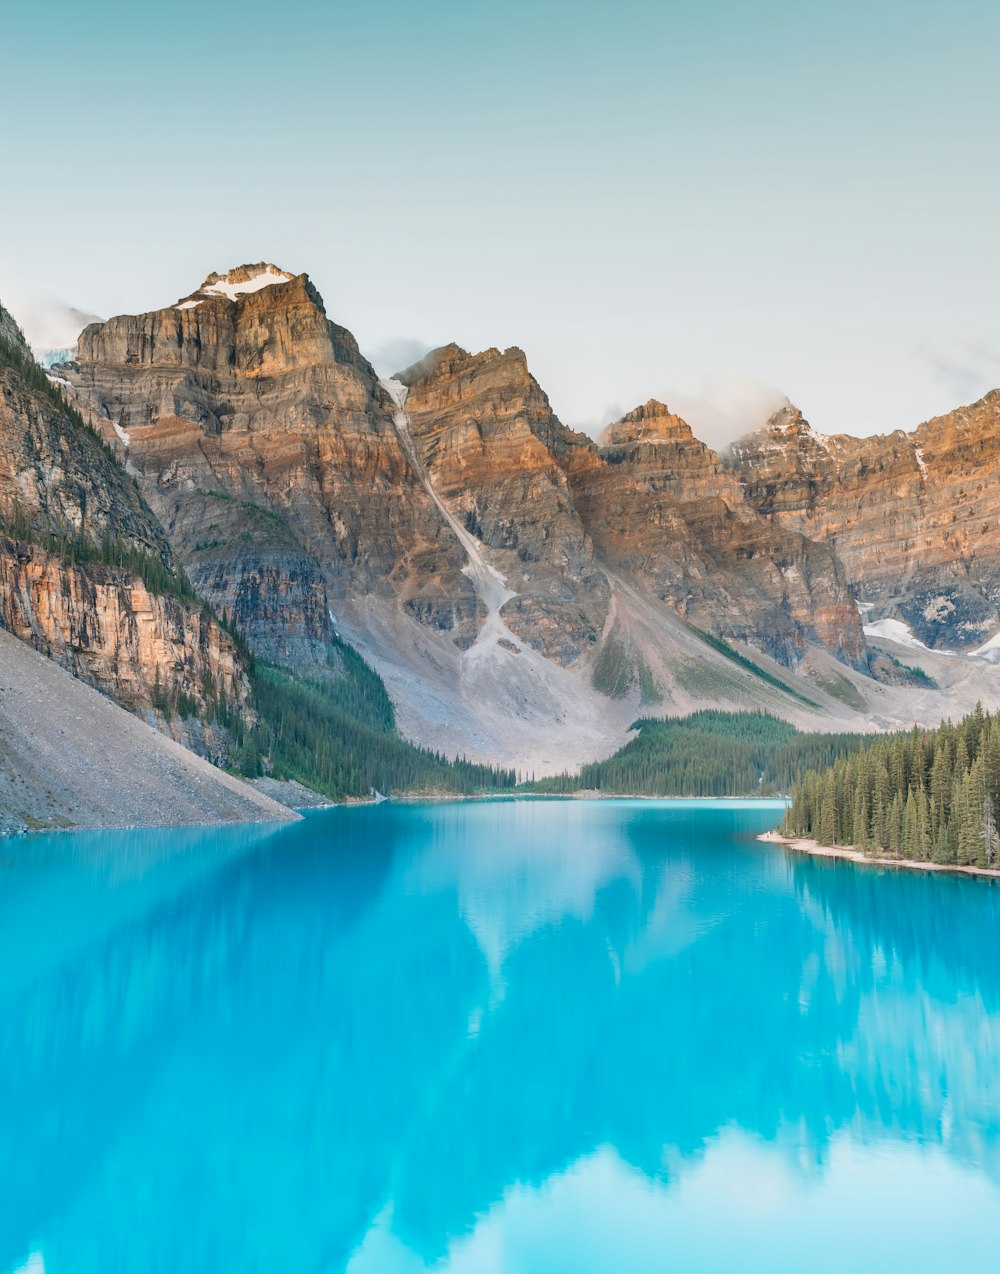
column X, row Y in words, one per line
column 713, row 203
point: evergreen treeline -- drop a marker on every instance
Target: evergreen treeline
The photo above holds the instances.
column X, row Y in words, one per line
column 930, row 795
column 76, row 549
column 339, row 736
column 709, row 753
column 35, row 377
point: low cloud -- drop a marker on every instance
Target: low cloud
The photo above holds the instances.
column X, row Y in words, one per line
column 596, row 425
column 47, row 322
column 397, row 354
column 722, row 409
column 725, row 408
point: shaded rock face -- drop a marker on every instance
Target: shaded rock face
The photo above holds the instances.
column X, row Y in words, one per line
column 913, row 516
column 58, row 485
column 662, row 508
column 256, row 398
column 60, row 479
column 483, row 428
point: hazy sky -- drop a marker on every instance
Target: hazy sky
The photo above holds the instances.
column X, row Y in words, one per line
column 705, row 202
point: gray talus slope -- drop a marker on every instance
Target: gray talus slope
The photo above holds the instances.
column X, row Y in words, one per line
column 71, row 758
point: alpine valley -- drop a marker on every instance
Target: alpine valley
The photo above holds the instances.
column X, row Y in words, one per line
column 218, row 505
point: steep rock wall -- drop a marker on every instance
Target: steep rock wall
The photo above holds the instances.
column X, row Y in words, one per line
column 913, row 516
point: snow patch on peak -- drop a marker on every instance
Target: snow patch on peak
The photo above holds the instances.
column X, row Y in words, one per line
column 239, row 282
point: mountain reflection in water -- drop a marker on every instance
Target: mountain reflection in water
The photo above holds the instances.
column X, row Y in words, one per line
column 509, row 1035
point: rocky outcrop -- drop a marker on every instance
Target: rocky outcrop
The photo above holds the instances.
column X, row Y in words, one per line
column 913, row 516
column 245, row 392
column 56, row 477
column 162, row 657
column 662, row 509
column 77, row 541
column 661, row 454
column 484, row 430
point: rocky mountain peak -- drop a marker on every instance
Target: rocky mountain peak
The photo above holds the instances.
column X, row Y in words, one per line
column 242, row 280
column 444, row 360
column 255, row 320
column 787, row 430
column 788, row 419
column 449, row 362
column 653, row 421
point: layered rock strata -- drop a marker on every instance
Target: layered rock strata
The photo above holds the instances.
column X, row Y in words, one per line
column 662, row 509
column 913, row 516
column 68, row 513
column 147, row 651
column 245, row 392
column 483, row 427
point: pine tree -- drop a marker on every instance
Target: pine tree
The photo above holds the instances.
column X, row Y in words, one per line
column 967, row 824
column 989, row 831
column 895, row 829
column 828, row 812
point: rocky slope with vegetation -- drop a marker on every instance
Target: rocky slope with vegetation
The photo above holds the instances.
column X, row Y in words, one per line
column 88, row 578
column 86, row 573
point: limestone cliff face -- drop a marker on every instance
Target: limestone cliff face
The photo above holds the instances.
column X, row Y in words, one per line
column 484, row 428
column 106, row 627
column 66, row 511
column 660, row 453
column 661, row 507
column 913, row 516
column 245, row 393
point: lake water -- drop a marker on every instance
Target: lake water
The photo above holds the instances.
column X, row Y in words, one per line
column 500, row 1037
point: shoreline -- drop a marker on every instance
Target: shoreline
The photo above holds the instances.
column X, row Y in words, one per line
column 12, row 830
column 803, row 845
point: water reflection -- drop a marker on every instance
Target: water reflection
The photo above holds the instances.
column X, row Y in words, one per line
column 400, row 1037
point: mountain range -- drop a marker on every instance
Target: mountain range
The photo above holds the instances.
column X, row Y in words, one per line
column 228, row 479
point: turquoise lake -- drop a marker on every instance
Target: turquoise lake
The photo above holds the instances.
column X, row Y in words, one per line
column 493, row 1037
